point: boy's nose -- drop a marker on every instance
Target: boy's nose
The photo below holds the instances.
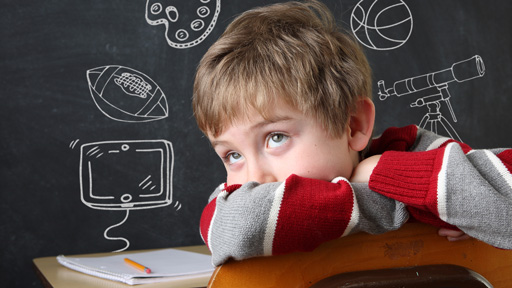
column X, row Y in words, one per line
column 261, row 174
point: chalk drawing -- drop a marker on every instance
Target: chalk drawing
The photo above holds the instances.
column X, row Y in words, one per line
column 126, row 95
column 73, row 143
column 126, row 242
column 381, row 24
column 126, row 175
column 436, row 86
column 187, row 23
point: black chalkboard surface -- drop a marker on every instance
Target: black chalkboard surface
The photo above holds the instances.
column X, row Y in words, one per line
column 100, row 151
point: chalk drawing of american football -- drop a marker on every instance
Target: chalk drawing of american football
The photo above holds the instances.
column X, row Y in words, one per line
column 187, row 23
column 127, row 95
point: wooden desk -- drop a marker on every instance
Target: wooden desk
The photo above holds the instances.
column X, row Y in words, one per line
column 54, row 275
column 415, row 244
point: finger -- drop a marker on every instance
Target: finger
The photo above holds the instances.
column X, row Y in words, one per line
column 450, row 233
column 460, row 238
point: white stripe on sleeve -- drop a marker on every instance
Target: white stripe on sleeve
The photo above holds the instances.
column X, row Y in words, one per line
column 354, row 216
column 441, row 184
column 270, row 230
column 222, row 194
column 438, row 142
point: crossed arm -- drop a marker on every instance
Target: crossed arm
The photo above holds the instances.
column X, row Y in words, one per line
column 450, row 186
column 362, row 175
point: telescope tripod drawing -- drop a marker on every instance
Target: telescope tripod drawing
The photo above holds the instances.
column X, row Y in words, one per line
column 461, row 71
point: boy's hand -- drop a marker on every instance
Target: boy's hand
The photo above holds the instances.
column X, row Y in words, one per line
column 364, row 169
column 453, row 235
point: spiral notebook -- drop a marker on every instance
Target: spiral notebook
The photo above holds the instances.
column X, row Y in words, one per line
column 166, row 265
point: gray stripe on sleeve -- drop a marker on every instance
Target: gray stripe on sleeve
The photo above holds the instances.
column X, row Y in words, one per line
column 239, row 225
column 377, row 213
column 478, row 200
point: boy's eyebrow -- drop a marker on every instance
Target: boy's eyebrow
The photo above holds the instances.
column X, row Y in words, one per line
column 216, row 143
column 271, row 120
column 265, row 122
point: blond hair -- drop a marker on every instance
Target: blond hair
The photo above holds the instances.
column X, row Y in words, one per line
column 289, row 52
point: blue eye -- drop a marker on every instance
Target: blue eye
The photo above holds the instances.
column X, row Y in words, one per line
column 276, row 139
column 233, row 157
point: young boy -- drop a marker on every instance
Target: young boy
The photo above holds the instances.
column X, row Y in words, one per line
column 284, row 98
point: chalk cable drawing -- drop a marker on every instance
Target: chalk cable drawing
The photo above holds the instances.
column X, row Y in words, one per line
column 460, row 71
column 180, row 32
column 381, row 24
column 126, row 95
column 126, row 175
column 127, row 243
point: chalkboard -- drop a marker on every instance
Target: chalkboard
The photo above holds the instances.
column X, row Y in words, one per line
column 100, row 150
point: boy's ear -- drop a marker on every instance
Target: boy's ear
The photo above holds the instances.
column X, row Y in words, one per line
column 361, row 124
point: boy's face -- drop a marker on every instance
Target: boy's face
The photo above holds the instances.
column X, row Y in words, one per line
column 289, row 142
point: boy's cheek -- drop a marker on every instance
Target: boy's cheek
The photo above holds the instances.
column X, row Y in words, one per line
column 229, row 178
column 234, row 178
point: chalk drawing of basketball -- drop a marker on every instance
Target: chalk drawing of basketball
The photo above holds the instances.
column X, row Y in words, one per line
column 381, row 24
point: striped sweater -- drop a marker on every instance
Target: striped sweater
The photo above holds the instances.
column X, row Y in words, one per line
column 435, row 180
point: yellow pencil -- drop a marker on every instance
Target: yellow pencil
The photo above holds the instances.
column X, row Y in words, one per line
column 137, row 265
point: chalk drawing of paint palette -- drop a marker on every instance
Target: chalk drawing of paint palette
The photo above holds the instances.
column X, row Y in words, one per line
column 126, row 95
column 125, row 175
column 187, row 23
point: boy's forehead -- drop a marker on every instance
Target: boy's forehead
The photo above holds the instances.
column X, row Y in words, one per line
column 254, row 119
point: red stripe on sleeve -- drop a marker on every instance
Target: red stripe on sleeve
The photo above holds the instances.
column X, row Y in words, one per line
column 465, row 147
column 232, row 188
column 409, row 177
column 312, row 212
column 206, row 220
column 506, row 159
column 394, row 139
column 413, row 179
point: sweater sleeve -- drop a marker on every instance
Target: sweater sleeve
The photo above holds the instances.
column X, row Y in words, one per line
column 470, row 189
column 250, row 220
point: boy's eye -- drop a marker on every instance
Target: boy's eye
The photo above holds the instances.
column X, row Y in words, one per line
column 276, row 140
column 233, row 157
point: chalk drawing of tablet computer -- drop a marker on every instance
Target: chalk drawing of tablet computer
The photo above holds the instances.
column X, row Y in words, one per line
column 126, row 175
